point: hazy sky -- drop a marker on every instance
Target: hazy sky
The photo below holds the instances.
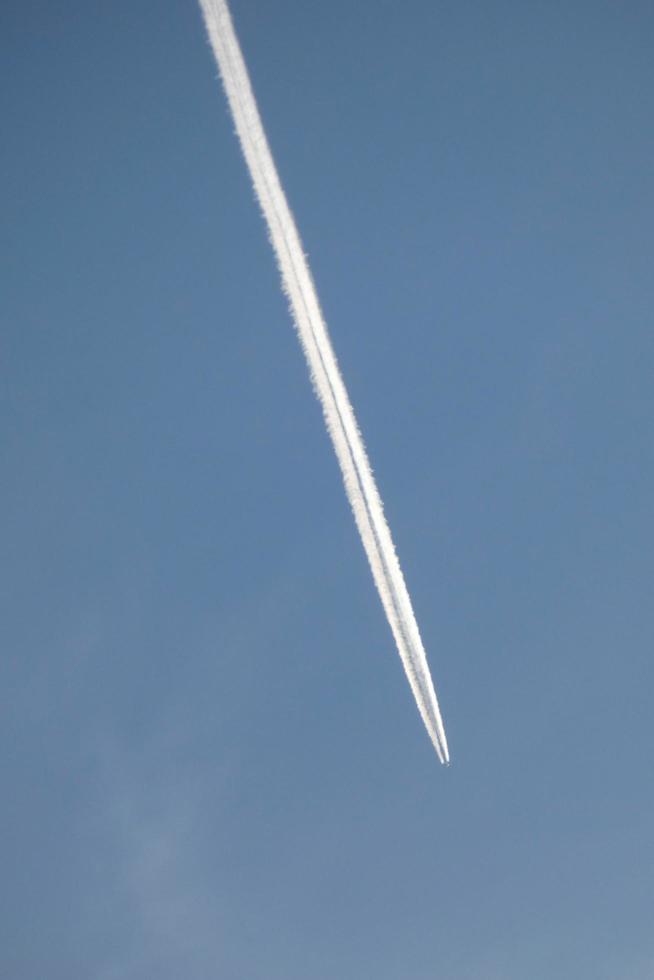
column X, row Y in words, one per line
column 212, row 765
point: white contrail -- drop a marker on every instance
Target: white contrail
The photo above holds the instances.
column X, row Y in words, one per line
column 298, row 285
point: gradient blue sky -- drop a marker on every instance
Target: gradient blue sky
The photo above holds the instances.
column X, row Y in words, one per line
column 212, row 765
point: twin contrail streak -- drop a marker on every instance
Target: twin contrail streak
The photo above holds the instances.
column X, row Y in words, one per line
column 341, row 424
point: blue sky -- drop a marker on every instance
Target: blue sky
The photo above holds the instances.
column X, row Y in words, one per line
column 212, row 763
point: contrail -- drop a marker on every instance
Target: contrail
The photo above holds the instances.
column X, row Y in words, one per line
column 310, row 324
